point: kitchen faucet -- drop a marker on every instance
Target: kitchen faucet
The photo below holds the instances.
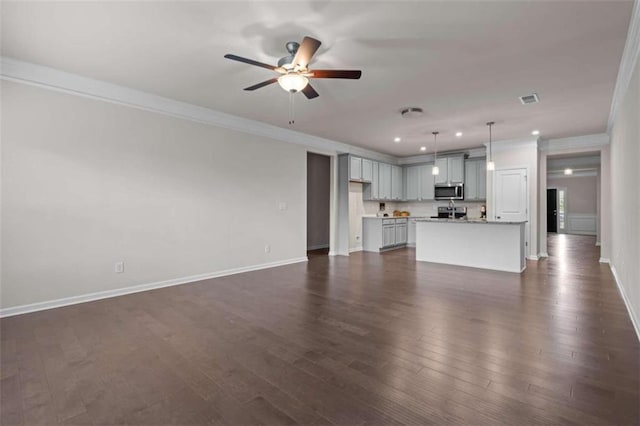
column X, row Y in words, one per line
column 452, row 209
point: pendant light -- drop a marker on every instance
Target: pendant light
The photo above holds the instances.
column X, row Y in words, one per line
column 490, row 164
column 436, row 170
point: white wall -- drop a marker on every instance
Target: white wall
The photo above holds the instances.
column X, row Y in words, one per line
column 318, row 200
column 87, row 183
column 625, row 195
column 517, row 154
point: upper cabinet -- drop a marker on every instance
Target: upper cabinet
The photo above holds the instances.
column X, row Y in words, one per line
column 455, row 169
column 396, row 183
column 412, row 184
column 426, row 182
column 367, row 170
column 355, row 168
column 475, row 187
column 419, row 182
column 360, row 169
column 451, row 170
column 371, row 192
column 384, row 180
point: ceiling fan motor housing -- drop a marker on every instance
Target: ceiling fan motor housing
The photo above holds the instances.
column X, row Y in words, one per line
column 286, row 62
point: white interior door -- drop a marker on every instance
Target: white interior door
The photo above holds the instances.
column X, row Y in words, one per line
column 511, row 195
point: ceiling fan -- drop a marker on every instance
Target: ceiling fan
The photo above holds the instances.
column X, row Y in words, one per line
column 294, row 70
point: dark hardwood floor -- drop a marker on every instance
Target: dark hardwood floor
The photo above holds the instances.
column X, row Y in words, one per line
column 369, row 339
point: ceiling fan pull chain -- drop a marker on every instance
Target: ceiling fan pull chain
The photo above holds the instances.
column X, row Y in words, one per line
column 292, row 120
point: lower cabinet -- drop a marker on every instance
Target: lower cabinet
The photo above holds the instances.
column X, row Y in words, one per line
column 401, row 233
column 380, row 233
column 389, row 234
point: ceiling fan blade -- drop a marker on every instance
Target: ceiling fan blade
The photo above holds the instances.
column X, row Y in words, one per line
column 250, row 62
column 350, row 74
column 305, row 52
column 259, row 85
column 310, row 92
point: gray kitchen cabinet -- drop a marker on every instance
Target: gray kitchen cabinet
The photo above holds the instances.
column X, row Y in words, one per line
column 441, row 178
column 482, row 179
column 396, row 183
column 367, row 170
column 412, row 183
column 370, row 191
column 388, row 235
column 384, row 180
column 355, row 168
column 471, row 183
column 401, row 232
column 379, row 234
column 426, row 182
column 455, row 169
column 475, row 187
column 451, row 170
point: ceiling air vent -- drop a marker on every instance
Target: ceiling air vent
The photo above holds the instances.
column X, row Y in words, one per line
column 529, row 99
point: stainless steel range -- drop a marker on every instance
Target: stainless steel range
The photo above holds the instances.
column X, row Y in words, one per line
column 445, row 213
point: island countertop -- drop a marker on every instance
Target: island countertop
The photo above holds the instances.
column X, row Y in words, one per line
column 473, row 221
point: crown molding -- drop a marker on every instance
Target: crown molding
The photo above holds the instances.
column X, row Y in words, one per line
column 509, row 144
column 61, row 81
column 628, row 62
column 595, row 141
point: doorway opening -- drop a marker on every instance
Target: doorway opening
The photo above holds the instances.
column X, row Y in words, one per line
column 318, row 204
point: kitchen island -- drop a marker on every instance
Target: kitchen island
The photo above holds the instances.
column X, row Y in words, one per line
column 472, row 242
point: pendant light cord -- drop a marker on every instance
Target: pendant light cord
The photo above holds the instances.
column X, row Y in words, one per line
column 435, row 146
column 490, row 123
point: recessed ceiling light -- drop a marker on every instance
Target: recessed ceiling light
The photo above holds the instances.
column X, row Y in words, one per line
column 568, row 171
column 535, row 132
column 458, row 134
column 423, row 148
column 396, row 139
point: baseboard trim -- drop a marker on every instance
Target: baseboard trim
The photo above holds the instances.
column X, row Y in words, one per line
column 625, row 299
column 74, row 300
column 604, row 260
column 332, row 253
column 597, row 243
column 545, row 254
column 533, row 257
column 352, row 250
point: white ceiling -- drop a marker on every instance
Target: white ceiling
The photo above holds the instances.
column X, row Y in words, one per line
column 464, row 63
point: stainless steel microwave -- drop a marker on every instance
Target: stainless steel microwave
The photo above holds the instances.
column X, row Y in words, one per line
column 454, row 191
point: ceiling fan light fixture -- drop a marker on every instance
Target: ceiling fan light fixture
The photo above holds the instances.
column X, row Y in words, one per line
column 293, row 82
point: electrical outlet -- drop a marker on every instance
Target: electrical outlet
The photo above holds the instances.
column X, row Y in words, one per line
column 119, row 267
column 267, row 248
